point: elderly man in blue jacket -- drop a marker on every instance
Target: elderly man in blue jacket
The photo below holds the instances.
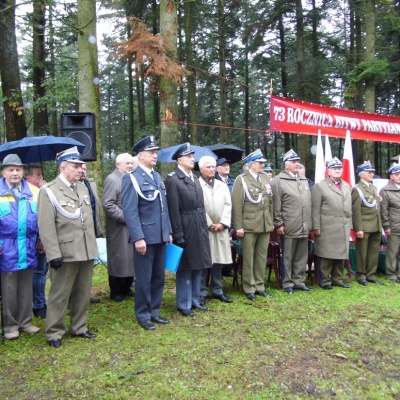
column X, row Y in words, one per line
column 146, row 215
column 18, row 237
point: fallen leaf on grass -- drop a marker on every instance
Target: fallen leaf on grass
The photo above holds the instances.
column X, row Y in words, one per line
column 341, row 356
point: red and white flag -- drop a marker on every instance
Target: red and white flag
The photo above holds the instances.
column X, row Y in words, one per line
column 348, row 163
column 328, row 154
column 319, row 161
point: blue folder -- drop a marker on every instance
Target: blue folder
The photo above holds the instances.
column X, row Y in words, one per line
column 173, row 256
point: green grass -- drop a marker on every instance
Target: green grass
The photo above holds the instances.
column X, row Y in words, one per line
column 340, row 344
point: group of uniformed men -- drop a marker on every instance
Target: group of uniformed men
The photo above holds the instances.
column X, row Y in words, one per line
column 195, row 214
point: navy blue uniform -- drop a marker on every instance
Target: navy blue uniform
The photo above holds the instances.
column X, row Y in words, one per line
column 146, row 216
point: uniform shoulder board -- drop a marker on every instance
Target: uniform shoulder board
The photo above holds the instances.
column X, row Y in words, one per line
column 49, row 184
column 172, row 173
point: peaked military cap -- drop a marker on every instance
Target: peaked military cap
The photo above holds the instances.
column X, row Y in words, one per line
column 256, row 155
column 335, row 163
column 145, row 144
column 183, row 150
column 70, row 155
column 365, row 166
column 269, row 167
column 394, row 168
column 290, row 156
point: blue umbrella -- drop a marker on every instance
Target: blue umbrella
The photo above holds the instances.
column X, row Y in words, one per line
column 39, row 148
column 165, row 155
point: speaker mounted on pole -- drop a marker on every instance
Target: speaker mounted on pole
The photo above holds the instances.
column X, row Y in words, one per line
column 81, row 126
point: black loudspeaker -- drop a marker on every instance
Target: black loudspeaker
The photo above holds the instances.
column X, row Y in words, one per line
column 81, row 127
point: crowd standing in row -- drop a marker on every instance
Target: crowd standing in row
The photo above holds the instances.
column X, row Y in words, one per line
column 145, row 214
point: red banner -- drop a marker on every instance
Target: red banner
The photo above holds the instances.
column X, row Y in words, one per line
column 297, row 116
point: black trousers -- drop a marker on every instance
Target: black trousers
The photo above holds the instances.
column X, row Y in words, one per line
column 119, row 286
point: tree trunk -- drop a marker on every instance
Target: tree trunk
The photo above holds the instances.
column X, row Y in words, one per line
column 54, row 125
column 222, row 69
column 370, row 56
column 40, row 116
column 191, row 79
column 284, row 78
column 168, row 89
column 304, row 140
column 15, row 124
column 88, row 72
column 246, row 103
column 131, row 106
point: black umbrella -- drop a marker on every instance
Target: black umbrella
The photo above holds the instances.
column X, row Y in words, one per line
column 231, row 153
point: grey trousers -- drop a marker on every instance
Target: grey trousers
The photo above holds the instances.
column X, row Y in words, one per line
column 392, row 269
column 216, row 280
column 295, row 256
column 331, row 271
column 16, row 290
column 73, row 279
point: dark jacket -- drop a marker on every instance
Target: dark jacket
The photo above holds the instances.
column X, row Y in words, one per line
column 188, row 219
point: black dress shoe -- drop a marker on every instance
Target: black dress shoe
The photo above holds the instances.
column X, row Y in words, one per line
column 160, row 320
column 202, row 300
column 362, row 282
column 376, row 281
column 223, row 298
column 251, row 296
column 327, row 287
column 94, row 300
column 199, row 307
column 85, row 335
column 147, row 325
column 343, row 285
column 118, row 298
column 186, row 313
column 289, row 290
column 263, row 293
column 303, row 288
column 394, row 280
column 55, row 343
column 40, row 312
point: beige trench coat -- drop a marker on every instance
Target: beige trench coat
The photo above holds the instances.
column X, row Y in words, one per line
column 217, row 202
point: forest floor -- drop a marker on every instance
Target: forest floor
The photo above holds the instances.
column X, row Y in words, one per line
column 342, row 344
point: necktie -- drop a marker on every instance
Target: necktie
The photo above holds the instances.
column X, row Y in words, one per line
column 226, row 180
column 74, row 188
column 258, row 178
column 153, row 175
column 338, row 185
